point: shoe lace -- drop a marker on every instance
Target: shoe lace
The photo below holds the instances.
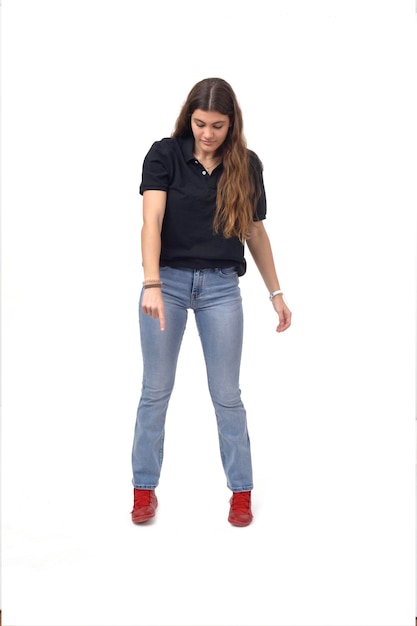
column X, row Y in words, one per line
column 142, row 497
column 241, row 501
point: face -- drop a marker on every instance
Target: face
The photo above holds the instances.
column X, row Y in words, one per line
column 209, row 129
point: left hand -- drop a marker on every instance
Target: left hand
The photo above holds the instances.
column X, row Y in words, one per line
column 284, row 313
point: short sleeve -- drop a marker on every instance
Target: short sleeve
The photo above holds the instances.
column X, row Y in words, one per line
column 156, row 169
column 257, row 169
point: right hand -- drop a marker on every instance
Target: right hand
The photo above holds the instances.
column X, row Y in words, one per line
column 153, row 305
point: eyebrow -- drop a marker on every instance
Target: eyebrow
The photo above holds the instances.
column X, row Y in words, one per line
column 203, row 122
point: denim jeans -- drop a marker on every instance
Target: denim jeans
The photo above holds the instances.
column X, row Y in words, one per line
column 214, row 296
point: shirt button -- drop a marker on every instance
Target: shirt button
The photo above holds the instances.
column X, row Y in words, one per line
column 204, row 172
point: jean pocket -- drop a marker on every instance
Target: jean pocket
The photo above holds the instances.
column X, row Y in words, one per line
column 227, row 272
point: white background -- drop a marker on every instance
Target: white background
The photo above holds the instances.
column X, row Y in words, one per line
column 329, row 96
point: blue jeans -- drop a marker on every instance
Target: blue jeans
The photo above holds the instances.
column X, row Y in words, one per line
column 214, row 296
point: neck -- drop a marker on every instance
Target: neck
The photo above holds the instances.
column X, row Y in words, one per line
column 206, row 157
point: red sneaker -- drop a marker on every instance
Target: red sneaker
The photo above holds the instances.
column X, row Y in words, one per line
column 240, row 508
column 144, row 506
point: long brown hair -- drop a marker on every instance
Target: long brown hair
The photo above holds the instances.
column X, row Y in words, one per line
column 237, row 191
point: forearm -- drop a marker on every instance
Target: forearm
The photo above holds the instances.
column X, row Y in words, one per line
column 151, row 250
column 261, row 251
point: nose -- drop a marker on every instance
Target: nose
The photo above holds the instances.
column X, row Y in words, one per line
column 208, row 133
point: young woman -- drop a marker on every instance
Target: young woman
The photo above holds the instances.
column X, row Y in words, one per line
column 203, row 201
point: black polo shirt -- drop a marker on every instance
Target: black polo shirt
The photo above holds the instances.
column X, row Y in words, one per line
column 187, row 236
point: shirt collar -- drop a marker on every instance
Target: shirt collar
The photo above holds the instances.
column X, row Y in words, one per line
column 187, row 146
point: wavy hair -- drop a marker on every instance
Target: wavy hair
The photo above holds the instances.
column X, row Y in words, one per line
column 237, row 191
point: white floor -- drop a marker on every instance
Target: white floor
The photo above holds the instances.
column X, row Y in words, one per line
column 314, row 555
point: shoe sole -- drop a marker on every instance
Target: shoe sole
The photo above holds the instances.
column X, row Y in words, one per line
column 234, row 523
column 144, row 519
